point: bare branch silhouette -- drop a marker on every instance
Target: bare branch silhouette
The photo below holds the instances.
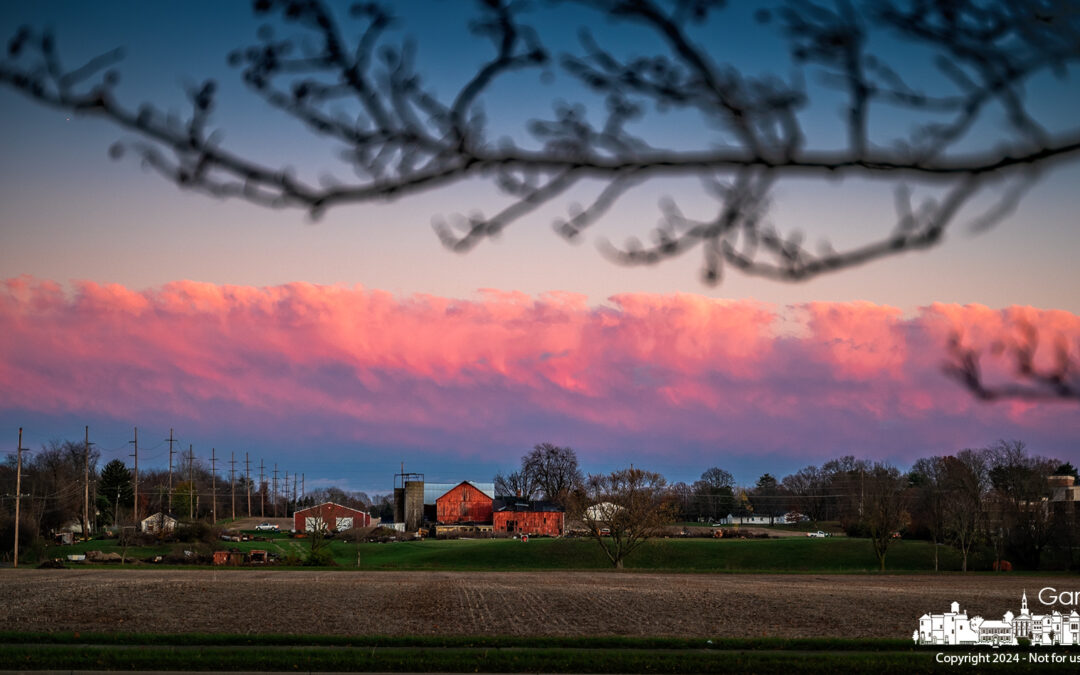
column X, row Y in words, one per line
column 404, row 138
column 1030, row 380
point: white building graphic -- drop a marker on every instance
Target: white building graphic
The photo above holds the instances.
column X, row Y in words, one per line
column 956, row 628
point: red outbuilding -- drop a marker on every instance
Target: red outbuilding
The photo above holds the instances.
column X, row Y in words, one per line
column 518, row 516
column 329, row 517
column 464, row 503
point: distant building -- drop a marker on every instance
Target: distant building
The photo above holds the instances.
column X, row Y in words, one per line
column 329, row 517
column 513, row 515
column 159, row 522
column 602, row 512
column 463, row 503
column 747, row 520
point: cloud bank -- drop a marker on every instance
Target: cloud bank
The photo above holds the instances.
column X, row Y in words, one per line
column 673, row 375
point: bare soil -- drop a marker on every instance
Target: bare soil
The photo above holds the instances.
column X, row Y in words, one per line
column 497, row 603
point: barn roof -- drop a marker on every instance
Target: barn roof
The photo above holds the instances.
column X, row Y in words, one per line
column 319, row 506
column 433, row 491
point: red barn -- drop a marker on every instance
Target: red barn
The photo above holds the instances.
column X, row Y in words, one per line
column 518, row 516
column 329, row 517
column 464, row 503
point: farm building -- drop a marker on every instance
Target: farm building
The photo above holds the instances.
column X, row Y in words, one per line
column 518, row 516
column 159, row 522
column 750, row 519
column 463, row 503
column 329, row 517
column 415, row 500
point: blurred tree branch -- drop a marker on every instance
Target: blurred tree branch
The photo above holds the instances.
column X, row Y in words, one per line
column 1032, row 379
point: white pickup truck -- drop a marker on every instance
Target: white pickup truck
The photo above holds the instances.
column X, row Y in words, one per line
column 819, row 534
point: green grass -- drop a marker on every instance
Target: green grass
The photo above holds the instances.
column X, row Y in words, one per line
column 793, row 554
column 39, row 651
column 671, row 555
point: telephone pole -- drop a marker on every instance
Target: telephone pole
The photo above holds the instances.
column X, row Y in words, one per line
column 170, row 469
column 213, row 487
column 303, row 490
column 247, row 480
column 232, row 481
column 285, row 489
column 191, row 481
column 294, row 492
column 273, row 495
column 18, row 494
column 135, row 509
column 262, row 491
column 86, row 486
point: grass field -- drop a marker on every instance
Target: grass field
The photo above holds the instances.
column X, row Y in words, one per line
column 837, row 555
column 39, row 651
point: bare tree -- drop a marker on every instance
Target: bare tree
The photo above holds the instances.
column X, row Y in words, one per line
column 714, row 494
column 967, row 483
column 554, row 470
column 809, row 492
column 1021, row 490
column 624, row 508
column 516, row 483
column 929, row 475
column 400, row 137
column 885, row 507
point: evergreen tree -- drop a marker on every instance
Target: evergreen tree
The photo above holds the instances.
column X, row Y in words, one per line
column 114, row 489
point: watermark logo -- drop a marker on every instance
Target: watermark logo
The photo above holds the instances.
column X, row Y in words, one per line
column 955, row 627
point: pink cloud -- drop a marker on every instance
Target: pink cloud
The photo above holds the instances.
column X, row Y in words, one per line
column 683, row 371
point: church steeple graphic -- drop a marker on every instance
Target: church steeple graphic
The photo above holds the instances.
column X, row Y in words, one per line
column 1023, row 603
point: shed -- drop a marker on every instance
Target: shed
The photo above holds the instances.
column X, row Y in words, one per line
column 519, row 516
column 329, row 517
column 159, row 522
column 749, row 519
column 463, row 503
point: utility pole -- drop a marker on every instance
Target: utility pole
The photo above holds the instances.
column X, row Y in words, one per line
column 191, row 481
column 18, row 494
column 247, row 480
column 262, row 491
column 285, row 489
column 232, row 481
column 171, row 439
column 213, row 487
column 135, row 509
column 294, row 492
column 303, row 490
column 86, row 486
column 273, row 495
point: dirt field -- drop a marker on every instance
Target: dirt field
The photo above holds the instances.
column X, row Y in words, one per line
column 497, row 603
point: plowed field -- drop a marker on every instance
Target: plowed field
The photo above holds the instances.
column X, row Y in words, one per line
column 496, row 603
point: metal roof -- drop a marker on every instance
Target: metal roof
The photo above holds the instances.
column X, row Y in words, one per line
column 519, row 505
column 433, row 491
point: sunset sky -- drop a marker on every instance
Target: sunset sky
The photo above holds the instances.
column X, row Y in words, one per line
column 343, row 347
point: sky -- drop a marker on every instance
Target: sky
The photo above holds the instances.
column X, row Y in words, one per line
column 343, row 347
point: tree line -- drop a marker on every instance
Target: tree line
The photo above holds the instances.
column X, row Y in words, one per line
column 1001, row 499
column 63, row 485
